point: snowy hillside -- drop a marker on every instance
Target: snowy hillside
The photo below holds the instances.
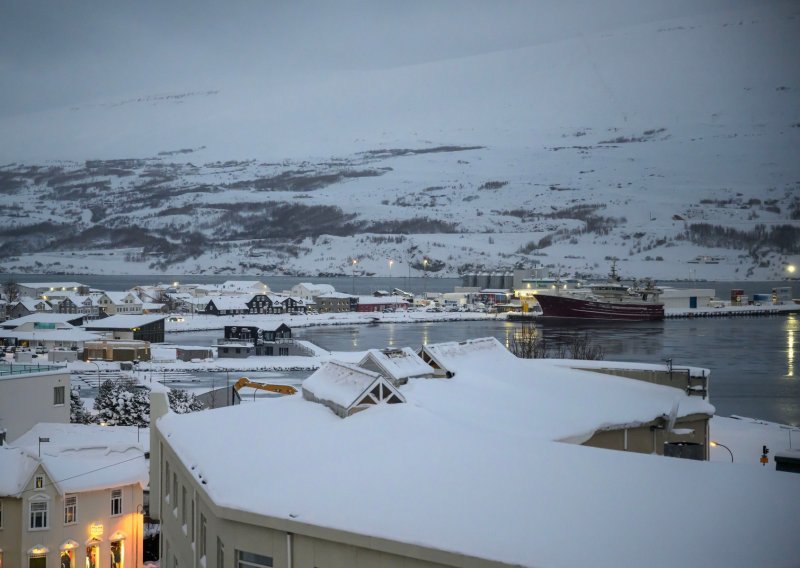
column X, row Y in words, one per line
column 656, row 143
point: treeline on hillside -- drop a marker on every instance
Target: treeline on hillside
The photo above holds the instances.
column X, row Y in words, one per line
column 785, row 238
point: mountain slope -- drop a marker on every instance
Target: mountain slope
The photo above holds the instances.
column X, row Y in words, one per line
column 634, row 142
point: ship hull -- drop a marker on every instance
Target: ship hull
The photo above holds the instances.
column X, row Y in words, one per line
column 567, row 307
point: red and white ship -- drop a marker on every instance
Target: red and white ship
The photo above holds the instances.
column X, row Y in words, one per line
column 609, row 301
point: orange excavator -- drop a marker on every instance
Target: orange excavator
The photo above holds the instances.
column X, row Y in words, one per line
column 280, row 389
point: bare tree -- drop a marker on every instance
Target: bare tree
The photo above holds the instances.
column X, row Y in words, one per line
column 11, row 290
column 528, row 343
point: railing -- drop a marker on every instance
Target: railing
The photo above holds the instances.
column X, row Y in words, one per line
column 17, row 369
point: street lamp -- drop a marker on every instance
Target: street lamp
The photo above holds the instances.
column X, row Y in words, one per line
column 424, row 278
column 355, row 261
column 714, row 444
column 391, row 262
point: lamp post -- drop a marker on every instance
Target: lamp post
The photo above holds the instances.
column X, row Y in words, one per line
column 424, row 278
column 98, row 370
column 391, row 262
column 355, row 261
column 714, row 444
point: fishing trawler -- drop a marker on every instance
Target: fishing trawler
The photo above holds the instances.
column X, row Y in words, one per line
column 611, row 300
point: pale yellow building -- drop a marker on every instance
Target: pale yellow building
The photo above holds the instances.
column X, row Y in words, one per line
column 71, row 495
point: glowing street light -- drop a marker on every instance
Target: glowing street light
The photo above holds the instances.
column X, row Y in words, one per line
column 424, row 278
column 714, row 444
column 355, row 261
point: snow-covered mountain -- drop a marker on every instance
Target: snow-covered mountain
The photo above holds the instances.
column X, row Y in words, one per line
column 656, row 142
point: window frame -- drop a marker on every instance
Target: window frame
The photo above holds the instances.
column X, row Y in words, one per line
column 44, row 514
column 71, row 507
column 59, row 394
column 253, row 563
column 114, row 500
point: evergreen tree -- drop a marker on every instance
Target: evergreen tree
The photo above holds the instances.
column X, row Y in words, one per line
column 182, row 401
column 77, row 411
column 121, row 403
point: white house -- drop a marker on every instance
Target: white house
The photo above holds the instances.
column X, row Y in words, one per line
column 72, row 495
column 309, row 291
column 114, row 303
column 489, row 468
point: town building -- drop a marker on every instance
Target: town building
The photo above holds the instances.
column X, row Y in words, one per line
column 72, row 495
column 142, row 327
column 492, row 467
column 39, row 289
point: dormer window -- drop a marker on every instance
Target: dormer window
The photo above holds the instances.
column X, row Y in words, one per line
column 38, row 482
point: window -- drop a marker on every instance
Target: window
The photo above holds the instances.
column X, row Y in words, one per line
column 38, row 519
column 220, row 554
column 166, row 485
column 38, row 482
column 202, row 535
column 70, row 509
column 192, row 519
column 58, row 395
column 175, row 492
column 252, row 560
column 116, row 502
column 282, row 351
column 183, row 508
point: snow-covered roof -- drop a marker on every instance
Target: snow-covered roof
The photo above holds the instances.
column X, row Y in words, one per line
column 336, row 295
column 397, row 363
column 483, row 474
column 317, row 289
column 245, row 286
column 17, row 467
column 123, row 321
column 339, row 382
column 382, row 300
column 40, row 335
column 29, row 304
column 78, row 457
column 120, row 297
column 228, row 302
column 49, row 285
column 41, row 318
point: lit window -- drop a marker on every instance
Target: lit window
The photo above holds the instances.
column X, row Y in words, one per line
column 116, row 502
column 58, row 395
column 70, row 509
column 38, row 515
column 38, row 482
column 116, row 554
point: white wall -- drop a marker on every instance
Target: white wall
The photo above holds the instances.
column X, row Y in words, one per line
column 27, row 399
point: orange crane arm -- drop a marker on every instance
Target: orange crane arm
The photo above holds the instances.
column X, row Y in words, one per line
column 280, row 389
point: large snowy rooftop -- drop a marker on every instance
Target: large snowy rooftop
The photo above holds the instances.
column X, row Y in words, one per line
column 78, row 457
column 472, row 465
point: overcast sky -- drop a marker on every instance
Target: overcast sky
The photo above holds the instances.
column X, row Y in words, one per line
column 58, row 53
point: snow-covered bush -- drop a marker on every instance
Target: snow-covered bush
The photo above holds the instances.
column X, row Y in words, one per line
column 121, row 403
column 183, row 402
